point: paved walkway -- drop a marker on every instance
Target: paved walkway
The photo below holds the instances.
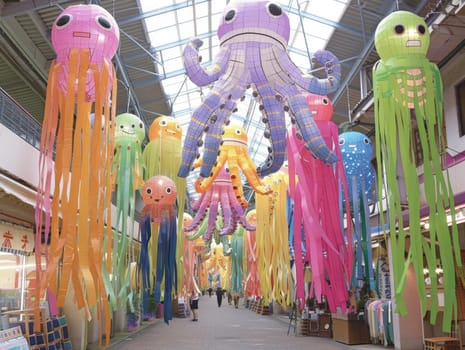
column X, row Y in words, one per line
column 225, row 328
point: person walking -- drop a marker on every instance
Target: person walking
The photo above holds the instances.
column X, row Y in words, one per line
column 194, row 305
column 219, row 295
column 236, row 298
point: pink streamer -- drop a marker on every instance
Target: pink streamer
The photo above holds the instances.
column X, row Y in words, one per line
column 316, row 195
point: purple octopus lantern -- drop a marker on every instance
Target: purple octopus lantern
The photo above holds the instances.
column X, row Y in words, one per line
column 253, row 54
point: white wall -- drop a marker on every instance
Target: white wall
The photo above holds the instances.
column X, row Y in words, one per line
column 452, row 74
column 18, row 157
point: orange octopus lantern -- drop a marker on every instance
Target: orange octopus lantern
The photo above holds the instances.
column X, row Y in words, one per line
column 80, row 82
column 159, row 196
column 162, row 156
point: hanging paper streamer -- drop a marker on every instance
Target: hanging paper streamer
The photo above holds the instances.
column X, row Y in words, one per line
column 159, row 195
column 319, row 235
column 127, row 174
column 408, row 92
column 237, row 242
column 85, row 39
column 357, row 152
column 218, row 267
column 162, row 156
column 144, row 263
column 252, row 281
column 253, row 39
column 220, row 193
column 234, row 155
column 274, row 265
column 199, row 253
column 188, row 259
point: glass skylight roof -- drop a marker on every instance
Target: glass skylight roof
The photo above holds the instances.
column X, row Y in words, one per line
column 174, row 22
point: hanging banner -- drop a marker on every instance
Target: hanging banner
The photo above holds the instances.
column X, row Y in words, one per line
column 16, row 240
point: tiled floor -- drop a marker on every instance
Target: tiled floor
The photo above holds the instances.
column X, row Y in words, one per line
column 225, row 328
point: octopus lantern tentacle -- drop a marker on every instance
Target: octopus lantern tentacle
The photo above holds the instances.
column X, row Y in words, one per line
column 273, row 114
column 199, row 75
column 188, row 258
column 252, row 281
column 213, row 137
column 220, row 193
column 253, row 49
column 237, row 247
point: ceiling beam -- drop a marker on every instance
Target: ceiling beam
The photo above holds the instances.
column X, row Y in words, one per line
column 24, row 47
column 11, row 9
column 369, row 47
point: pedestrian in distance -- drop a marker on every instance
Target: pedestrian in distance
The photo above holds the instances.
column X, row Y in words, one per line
column 219, row 295
column 194, row 305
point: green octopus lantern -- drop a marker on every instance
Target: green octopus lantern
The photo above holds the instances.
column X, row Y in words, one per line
column 408, row 99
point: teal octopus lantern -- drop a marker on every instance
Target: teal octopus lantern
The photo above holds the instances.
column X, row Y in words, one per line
column 408, row 96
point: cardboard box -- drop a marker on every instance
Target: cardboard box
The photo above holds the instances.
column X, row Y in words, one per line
column 349, row 331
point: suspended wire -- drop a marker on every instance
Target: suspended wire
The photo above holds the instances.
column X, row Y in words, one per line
column 195, row 18
column 177, row 94
column 303, row 32
column 348, row 104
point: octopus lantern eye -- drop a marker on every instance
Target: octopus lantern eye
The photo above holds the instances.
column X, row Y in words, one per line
column 168, row 190
column 163, row 122
column 141, row 126
column 325, row 101
column 238, row 132
column 148, row 191
column 342, row 141
column 63, row 21
column 104, row 23
column 274, row 9
column 133, row 126
column 421, row 29
column 230, row 16
column 121, row 126
column 399, row 29
column 366, row 141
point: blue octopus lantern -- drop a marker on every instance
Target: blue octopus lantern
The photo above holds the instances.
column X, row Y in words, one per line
column 253, row 54
column 357, row 152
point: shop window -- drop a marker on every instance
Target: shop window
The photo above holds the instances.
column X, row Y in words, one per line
column 17, row 268
column 460, row 95
column 17, row 273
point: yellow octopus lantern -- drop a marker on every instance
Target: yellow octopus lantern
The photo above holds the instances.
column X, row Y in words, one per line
column 234, row 151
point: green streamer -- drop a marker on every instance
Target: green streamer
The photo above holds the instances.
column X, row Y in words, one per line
column 407, row 93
